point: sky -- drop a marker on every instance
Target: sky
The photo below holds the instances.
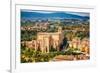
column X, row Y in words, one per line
column 46, row 12
column 41, row 14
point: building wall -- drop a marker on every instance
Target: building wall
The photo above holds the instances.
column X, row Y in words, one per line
column 48, row 39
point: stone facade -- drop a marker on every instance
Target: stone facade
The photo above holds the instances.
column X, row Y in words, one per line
column 83, row 44
column 45, row 40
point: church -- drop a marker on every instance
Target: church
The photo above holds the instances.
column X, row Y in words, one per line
column 47, row 39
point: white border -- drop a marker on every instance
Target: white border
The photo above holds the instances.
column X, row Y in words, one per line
column 17, row 66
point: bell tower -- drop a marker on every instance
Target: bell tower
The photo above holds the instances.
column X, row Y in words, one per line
column 59, row 30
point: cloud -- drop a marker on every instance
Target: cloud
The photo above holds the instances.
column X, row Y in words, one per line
column 79, row 13
column 38, row 11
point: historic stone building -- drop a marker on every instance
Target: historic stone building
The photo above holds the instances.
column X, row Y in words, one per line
column 47, row 39
column 83, row 44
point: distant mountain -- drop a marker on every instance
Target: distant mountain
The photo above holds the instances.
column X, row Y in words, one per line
column 56, row 15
